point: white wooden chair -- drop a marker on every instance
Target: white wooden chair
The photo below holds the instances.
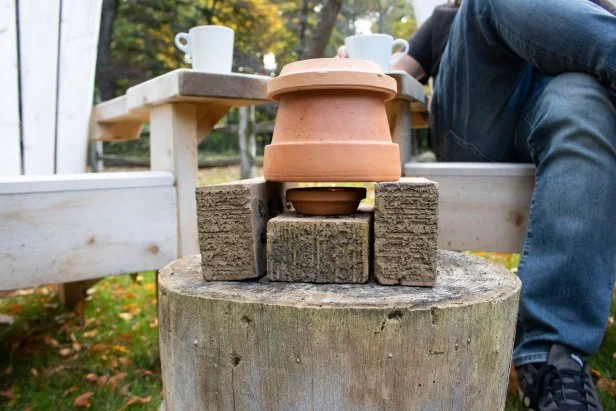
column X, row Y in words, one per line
column 57, row 226
column 69, row 228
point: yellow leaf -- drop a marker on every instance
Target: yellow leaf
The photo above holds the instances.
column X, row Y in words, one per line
column 91, row 333
column 83, row 400
column 92, row 377
column 76, row 346
column 34, row 372
column 120, row 348
column 103, row 379
column 125, row 361
column 65, row 352
column 124, row 389
column 125, row 316
column 150, row 286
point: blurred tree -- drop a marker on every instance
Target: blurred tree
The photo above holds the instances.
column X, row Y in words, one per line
column 328, row 14
column 142, row 47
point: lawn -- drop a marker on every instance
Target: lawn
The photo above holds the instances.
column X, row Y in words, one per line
column 104, row 355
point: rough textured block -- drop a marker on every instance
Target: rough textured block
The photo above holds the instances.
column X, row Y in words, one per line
column 319, row 249
column 405, row 232
column 232, row 221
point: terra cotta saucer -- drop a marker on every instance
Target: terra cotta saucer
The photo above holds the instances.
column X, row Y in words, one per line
column 326, row 200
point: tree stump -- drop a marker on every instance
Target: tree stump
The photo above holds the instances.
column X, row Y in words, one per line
column 262, row 345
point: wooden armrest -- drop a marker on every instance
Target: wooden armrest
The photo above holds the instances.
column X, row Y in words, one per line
column 112, row 121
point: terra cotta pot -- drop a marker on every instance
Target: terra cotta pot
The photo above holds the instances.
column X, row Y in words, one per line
column 331, row 123
column 326, row 200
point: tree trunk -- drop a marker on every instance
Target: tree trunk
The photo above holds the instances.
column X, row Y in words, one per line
column 323, row 30
column 303, row 26
column 259, row 345
column 105, row 83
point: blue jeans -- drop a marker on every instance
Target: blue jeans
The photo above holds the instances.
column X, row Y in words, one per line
column 535, row 81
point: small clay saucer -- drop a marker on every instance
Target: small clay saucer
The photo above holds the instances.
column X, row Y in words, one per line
column 326, row 200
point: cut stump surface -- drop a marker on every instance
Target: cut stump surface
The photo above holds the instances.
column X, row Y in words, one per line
column 299, row 346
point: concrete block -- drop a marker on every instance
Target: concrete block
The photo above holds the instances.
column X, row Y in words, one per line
column 319, row 249
column 232, row 221
column 405, row 232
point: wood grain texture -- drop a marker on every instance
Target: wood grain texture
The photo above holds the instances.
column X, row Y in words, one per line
column 39, row 35
column 406, row 220
column 297, row 346
column 79, row 233
column 185, row 85
column 232, row 220
column 482, row 207
column 173, row 148
column 319, row 249
column 10, row 142
column 77, row 67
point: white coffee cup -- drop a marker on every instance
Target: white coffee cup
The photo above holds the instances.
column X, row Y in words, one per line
column 210, row 48
column 375, row 47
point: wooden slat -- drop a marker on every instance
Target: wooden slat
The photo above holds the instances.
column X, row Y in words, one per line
column 78, row 48
column 112, row 121
column 185, row 85
column 10, row 136
column 84, row 182
column 408, row 88
column 39, row 29
column 173, row 148
column 482, row 207
column 58, row 237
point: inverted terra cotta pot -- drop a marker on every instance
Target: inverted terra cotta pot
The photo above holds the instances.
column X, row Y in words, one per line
column 331, row 123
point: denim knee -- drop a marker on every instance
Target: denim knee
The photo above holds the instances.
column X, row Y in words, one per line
column 577, row 101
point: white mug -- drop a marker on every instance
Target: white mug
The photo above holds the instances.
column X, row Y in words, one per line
column 375, row 48
column 210, row 48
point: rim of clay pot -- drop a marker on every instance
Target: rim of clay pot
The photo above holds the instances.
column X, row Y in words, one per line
column 326, row 200
column 331, row 74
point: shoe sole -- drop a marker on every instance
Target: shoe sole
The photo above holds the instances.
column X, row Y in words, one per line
column 525, row 400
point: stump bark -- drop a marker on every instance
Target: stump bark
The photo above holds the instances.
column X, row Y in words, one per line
column 297, row 346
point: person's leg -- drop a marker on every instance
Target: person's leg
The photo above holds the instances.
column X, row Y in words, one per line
column 568, row 262
column 494, row 50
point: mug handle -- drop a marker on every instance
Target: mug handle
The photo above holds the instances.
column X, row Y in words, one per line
column 186, row 48
column 404, row 48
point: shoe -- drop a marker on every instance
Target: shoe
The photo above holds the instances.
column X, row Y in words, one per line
column 563, row 383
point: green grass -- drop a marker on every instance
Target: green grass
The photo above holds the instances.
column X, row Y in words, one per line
column 110, row 350
column 48, row 350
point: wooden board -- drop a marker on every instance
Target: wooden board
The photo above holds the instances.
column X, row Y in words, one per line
column 186, row 85
column 408, row 88
column 112, row 121
column 10, row 135
column 85, row 181
column 39, row 30
column 258, row 345
column 74, row 232
column 482, row 207
column 77, row 65
column 173, row 148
